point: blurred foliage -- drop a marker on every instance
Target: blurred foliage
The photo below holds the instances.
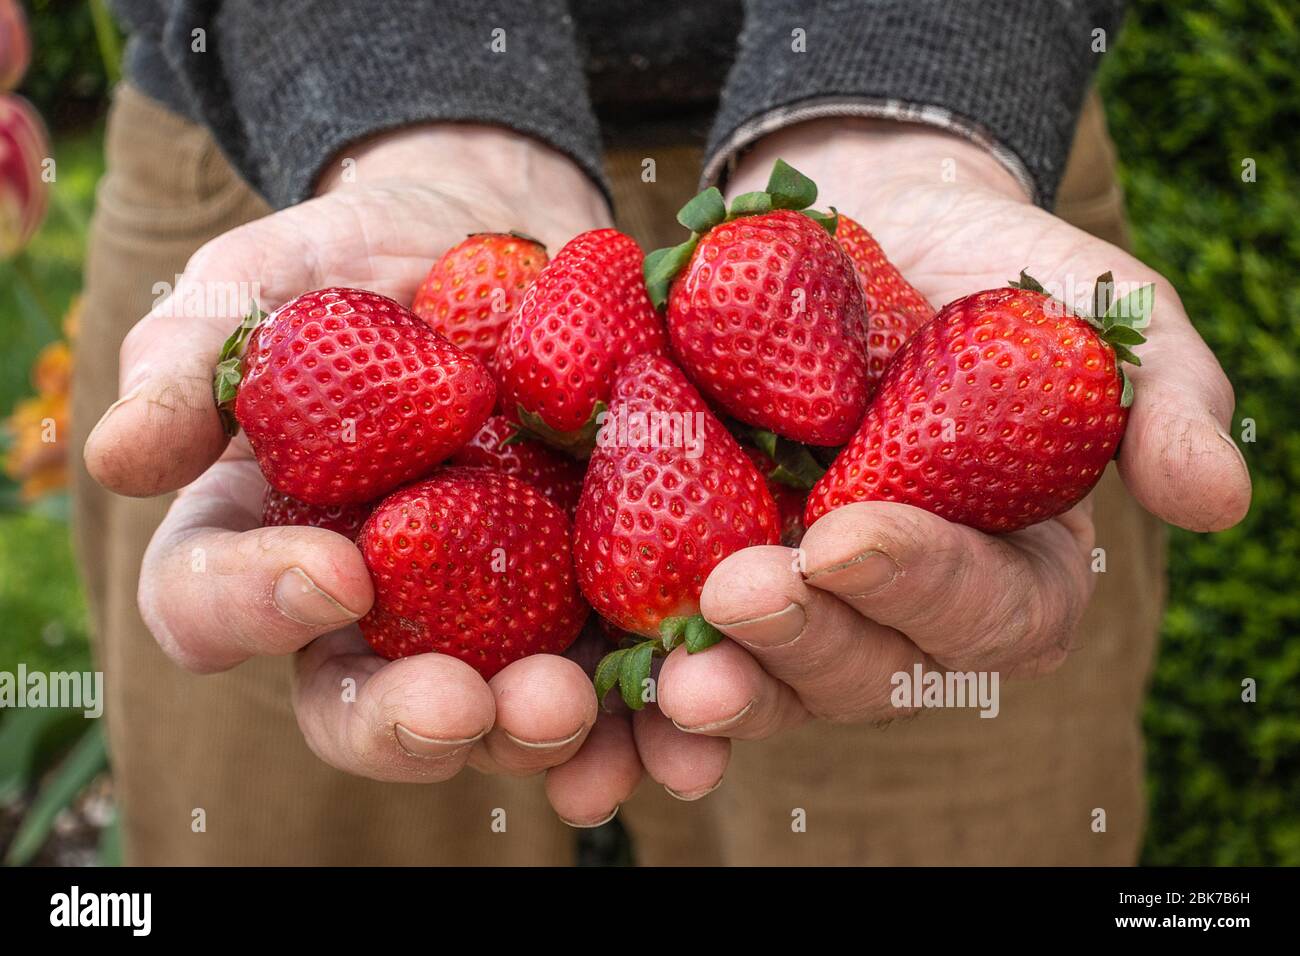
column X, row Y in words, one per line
column 67, row 80
column 1192, row 91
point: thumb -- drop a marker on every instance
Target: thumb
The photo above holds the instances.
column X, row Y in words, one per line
column 164, row 429
column 1177, row 457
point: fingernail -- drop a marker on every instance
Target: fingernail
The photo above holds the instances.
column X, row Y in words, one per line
column 592, row 826
column 1234, row 446
column 130, row 396
column 777, row 629
column 417, row 745
column 863, row 575
column 546, row 744
column 300, row 599
column 725, row 724
column 690, row 796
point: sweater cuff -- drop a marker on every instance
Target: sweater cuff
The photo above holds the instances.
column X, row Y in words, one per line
column 286, row 86
column 1010, row 74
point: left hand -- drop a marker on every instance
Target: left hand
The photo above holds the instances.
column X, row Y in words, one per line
column 881, row 585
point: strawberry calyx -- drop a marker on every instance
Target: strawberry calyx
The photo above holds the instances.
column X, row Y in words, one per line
column 787, row 188
column 577, row 443
column 629, row 667
column 794, row 465
column 1117, row 322
column 230, row 368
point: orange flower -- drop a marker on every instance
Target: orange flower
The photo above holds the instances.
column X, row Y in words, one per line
column 38, row 426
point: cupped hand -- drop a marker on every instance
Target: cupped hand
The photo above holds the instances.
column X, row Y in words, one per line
column 878, row 587
column 217, row 589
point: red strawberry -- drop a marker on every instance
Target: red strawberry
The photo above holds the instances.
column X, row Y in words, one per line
column 669, row 494
column 1000, row 413
column 496, row 446
column 586, row 314
column 765, row 311
column 790, row 500
column 471, row 563
column 895, row 310
column 472, row 291
column 345, row 395
column 280, row 509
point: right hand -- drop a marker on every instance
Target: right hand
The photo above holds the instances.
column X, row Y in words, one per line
column 217, row 589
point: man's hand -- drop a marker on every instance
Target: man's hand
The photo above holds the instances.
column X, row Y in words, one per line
column 217, row 589
column 882, row 586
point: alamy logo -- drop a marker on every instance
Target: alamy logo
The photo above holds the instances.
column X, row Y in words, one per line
column 74, row 689
column 922, row 688
column 621, row 428
column 74, row 908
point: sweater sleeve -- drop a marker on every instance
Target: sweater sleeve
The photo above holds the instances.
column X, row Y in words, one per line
column 1009, row 74
column 285, row 86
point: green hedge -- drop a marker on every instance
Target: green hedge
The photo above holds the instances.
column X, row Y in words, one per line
column 1192, row 90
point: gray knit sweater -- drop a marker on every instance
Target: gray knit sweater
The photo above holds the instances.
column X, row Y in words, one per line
column 284, row 85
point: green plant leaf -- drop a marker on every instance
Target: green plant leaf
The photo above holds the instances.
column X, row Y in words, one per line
column 1123, row 354
column 704, row 211
column 577, row 443
column 662, row 266
column 827, row 220
column 634, row 670
column 700, row 634
column 1103, row 294
column 1027, row 282
column 750, row 204
column 229, row 370
column 789, row 188
column 1126, row 395
column 21, row 733
column 1123, row 335
column 1134, row 309
column 671, row 630
column 82, row 764
column 606, row 675
column 793, row 464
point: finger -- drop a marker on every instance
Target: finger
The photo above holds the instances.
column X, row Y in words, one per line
column 164, row 430
column 215, row 589
column 970, row 600
column 588, row 789
column 688, row 766
column 723, row 692
column 545, row 706
column 412, row 720
column 838, row 662
column 1177, row 457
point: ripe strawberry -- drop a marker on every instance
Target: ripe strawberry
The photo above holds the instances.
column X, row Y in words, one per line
column 669, row 494
column 279, row 509
column 498, row 446
column 765, row 311
column 1000, row 413
column 471, row 293
column 345, row 395
column 586, row 314
column 895, row 310
column 471, row 563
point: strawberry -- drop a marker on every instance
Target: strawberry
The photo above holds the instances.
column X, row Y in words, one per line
column 471, row 293
column 472, row 563
column 345, row 395
column 765, row 311
column 669, row 494
column 498, row 446
column 280, row 509
column 895, row 310
column 586, row 314
column 1000, row 413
